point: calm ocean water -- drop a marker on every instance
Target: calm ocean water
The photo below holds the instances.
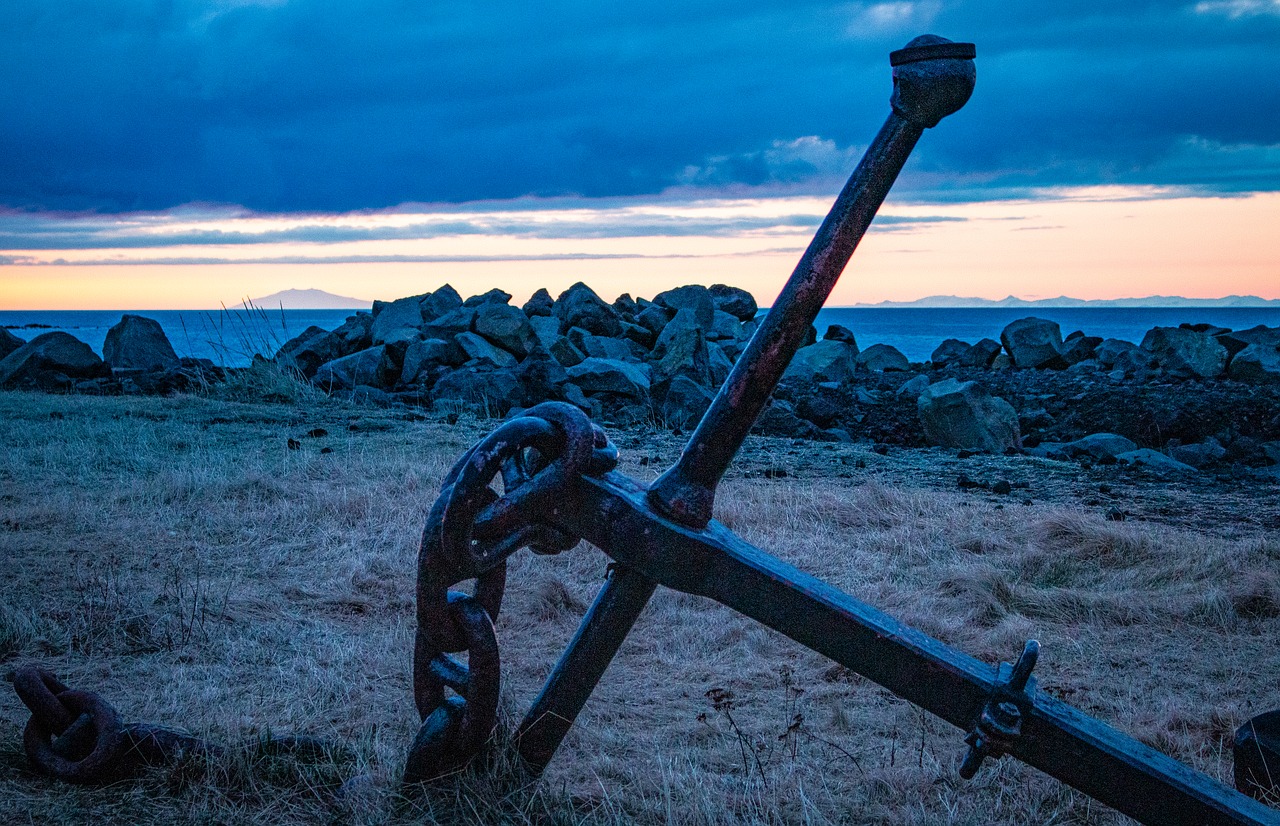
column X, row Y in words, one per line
column 231, row 338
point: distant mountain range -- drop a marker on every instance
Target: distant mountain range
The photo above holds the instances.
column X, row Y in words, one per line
column 309, row 300
column 1065, row 301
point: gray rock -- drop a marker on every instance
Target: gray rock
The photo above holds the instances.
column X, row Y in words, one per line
column 602, row 347
column 1271, row 450
column 1154, row 460
column 684, row 403
column 724, row 327
column 1200, row 454
column 915, row 386
column 579, row 306
column 1034, row 342
column 477, row 347
column 692, row 297
column 539, row 304
column 1237, row 340
column 736, row 302
column 640, row 335
column 981, row 354
column 1081, row 348
column 835, row 332
column 138, row 343
column 372, row 367
column 490, row 392
column 494, row 296
column 355, row 334
column 1256, row 363
column 9, row 342
column 541, row 376
column 1135, row 362
column 966, row 415
column 1099, row 446
column 626, row 306
column 307, row 352
column 883, row 358
column 441, row 302
column 683, row 323
column 720, row 363
column 950, row 351
column 824, row 361
column 1185, row 353
column 654, row 318
column 422, row 357
column 685, row 354
column 780, row 419
column 506, row 326
column 621, row 378
column 51, row 361
column 395, row 317
column 459, row 320
column 546, row 328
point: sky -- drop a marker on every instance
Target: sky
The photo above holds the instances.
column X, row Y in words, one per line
column 188, row 154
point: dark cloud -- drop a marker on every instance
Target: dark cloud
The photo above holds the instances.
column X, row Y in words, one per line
column 310, row 105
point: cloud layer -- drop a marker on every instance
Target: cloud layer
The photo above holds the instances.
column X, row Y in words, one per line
column 330, row 106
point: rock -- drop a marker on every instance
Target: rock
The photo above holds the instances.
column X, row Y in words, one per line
column 1134, row 362
column 1235, row 341
column 459, row 320
column 355, row 334
column 654, row 318
column 695, row 298
column 956, row 414
column 1154, row 459
column 1081, row 348
column 494, row 296
column 52, row 361
column 1185, row 353
column 683, row 323
column 540, row 376
column 396, row 317
column 491, row 392
column 626, row 306
column 1256, row 363
column 882, row 358
column 720, row 363
column 950, row 351
column 640, row 335
column 565, row 352
column 539, row 304
column 685, row 354
column 310, row 350
column 915, row 386
column 1099, row 446
column 441, row 302
column 981, row 354
column 372, row 367
column 9, row 342
column 579, row 306
column 602, row 347
column 837, row 333
column 736, row 302
column 1034, row 342
column 138, row 343
column 422, row 357
column 780, row 419
column 506, row 326
column 1200, row 454
column 684, row 403
column 1271, row 450
column 724, row 327
column 621, row 378
column 824, row 361
column 477, row 347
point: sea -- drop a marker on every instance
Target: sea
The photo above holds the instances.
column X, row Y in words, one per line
column 231, row 337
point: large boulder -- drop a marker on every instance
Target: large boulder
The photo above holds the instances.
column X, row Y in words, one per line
column 693, row 297
column 981, row 354
column 950, row 351
column 579, row 306
column 1185, row 353
column 51, row 361
column 424, row 356
column 1110, row 351
column 539, row 304
column 687, row 355
column 541, row 376
column 1237, row 340
column 824, row 361
column 477, row 348
column 1080, row 348
column 838, row 332
column 491, row 392
column 684, row 323
column 735, row 301
column 305, row 353
column 138, row 343
column 506, row 326
column 373, row 367
column 1034, row 342
column 654, row 318
column 966, row 415
column 458, row 320
column 684, row 403
column 9, row 342
column 1154, row 460
column 355, row 334
column 1099, row 446
column 396, row 318
column 612, row 376
column 494, row 296
column 442, row 301
column 1256, row 363
column 883, row 358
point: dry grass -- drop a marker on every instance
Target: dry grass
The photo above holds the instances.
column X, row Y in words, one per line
column 176, row 556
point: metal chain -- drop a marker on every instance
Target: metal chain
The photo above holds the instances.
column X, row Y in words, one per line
column 470, row 533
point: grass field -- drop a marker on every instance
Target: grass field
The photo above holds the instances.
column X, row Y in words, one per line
column 178, row 557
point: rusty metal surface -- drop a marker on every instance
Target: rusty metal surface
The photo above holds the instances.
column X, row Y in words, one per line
column 555, row 468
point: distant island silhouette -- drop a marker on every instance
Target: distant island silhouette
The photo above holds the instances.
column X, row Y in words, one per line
column 952, row 301
column 310, row 299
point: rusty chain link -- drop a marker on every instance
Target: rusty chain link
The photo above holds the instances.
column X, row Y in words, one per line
column 470, row 533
